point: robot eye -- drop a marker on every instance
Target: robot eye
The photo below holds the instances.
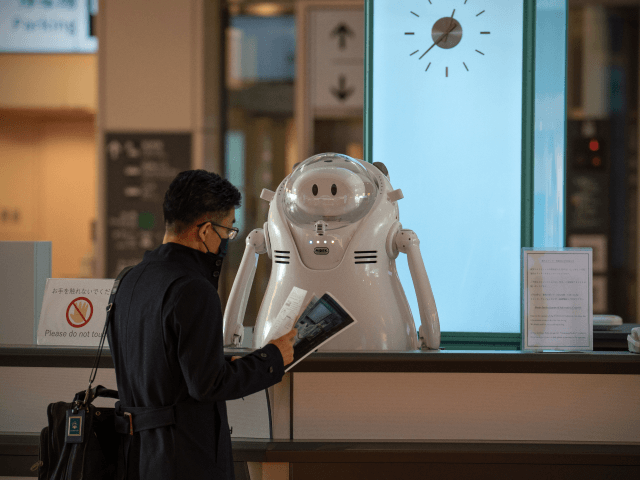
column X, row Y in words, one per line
column 314, row 189
column 334, row 189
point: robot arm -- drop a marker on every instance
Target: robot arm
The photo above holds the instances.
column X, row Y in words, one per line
column 406, row 241
column 239, row 296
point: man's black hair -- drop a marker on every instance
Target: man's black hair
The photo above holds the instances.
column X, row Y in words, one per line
column 195, row 193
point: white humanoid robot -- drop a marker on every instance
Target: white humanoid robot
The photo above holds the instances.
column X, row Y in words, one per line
column 333, row 226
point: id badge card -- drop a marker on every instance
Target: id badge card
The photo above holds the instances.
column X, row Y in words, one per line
column 74, row 431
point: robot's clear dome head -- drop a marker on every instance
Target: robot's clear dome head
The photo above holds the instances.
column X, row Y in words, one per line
column 331, row 187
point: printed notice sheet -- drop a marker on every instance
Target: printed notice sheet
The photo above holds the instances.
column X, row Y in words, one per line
column 557, row 299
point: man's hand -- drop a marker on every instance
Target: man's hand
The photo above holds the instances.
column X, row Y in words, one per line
column 235, row 358
column 285, row 345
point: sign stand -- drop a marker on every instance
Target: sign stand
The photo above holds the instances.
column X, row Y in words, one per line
column 557, row 300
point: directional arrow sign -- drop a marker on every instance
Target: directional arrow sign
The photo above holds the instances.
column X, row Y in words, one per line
column 336, row 70
column 342, row 31
column 342, row 92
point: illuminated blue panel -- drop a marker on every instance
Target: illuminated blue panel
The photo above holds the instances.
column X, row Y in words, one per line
column 448, row 125
column 234, row 169
column 47, row 26
column 550, row 113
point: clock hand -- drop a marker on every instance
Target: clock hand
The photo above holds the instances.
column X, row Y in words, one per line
column 450, row 24
column 438, row 40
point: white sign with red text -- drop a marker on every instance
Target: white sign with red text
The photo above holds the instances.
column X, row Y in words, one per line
column 74, row 311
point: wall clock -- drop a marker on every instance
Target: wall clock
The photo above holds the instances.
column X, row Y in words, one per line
column 447, row 41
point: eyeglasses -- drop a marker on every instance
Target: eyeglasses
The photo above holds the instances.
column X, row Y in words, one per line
column 233, row 231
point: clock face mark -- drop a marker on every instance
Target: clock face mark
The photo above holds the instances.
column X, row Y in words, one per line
column 446, row 71
column 427, row 67
column 418, row 15
column 480, row 13
column 479, row 52
column 465, row 66
column 415, row 52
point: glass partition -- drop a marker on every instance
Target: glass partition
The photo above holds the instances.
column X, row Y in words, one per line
column 550, row 124
column 452, row 103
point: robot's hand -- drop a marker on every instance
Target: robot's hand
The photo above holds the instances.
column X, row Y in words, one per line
column 238, row 335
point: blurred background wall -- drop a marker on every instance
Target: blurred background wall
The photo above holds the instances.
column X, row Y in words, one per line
column 48, row 155
column 242, row 92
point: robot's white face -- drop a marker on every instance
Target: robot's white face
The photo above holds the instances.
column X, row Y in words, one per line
column 329, row 192
column 331, row 187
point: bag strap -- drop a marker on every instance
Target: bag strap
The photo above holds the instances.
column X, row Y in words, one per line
column 97, row 391
column 92, row 376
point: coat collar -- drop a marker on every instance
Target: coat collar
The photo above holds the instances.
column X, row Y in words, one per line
column 207, row 265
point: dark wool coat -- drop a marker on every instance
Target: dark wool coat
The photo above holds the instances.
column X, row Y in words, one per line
column 167, row 346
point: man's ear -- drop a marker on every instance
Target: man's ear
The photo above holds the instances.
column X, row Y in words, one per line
column 200, row 232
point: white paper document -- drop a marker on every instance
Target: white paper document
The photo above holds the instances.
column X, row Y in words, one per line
column 557, row 298
column 283, row 323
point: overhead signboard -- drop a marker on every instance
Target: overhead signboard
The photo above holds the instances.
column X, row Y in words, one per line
column 47, row 26
column 336, row 45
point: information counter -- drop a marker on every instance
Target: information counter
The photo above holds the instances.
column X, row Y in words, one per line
column 481, row 414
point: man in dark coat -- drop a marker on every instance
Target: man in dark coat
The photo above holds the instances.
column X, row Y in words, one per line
column 166, row 340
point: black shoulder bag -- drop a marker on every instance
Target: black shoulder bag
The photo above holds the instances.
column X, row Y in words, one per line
column 81, row 442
